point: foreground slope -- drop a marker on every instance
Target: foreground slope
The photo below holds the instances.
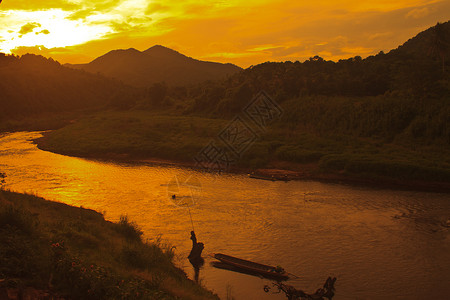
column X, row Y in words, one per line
column 50, row 250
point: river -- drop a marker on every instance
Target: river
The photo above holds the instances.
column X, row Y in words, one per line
column 379, row 243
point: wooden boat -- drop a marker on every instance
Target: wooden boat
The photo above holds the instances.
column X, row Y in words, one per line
column 254, row 176
column 253, row 268
column 271, row 178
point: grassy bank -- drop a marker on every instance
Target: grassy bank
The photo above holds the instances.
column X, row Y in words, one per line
column 45, row 121
column 49, row 248
column 144, row 135
column 137, row 134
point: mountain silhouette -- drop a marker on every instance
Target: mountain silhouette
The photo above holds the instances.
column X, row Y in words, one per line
column 33, row 84
column 418, row 69
column 423, row 43
column 156, row 64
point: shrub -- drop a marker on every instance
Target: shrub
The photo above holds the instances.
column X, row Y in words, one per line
column 146, row 256
column 20, row 255
column 17, row 218
column 81, row 280
column 296, row 154
column 2, row 178
column 128, row 229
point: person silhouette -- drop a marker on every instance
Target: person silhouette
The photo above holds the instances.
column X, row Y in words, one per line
column 195, row 257
column 197, row 248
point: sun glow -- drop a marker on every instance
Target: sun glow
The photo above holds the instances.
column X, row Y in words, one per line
column 48, row 28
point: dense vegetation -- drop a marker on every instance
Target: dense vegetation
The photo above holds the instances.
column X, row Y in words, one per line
column 52, row 250
column 33, row 85
column 141, row 135
column 406, row 90
column 400, row 96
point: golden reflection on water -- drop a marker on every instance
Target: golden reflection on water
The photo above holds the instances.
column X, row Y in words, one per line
column 312, row 229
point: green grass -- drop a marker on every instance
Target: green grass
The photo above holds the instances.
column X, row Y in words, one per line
column 45, row 121
column 129, row 229
column 76, row 254
column 139, row 134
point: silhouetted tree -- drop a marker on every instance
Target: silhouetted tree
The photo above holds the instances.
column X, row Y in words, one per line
column 439, row 43
column 32, row 84
column 2, row 179
column 157, row 93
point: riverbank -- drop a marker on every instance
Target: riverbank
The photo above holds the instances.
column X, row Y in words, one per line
column 276, row 170
column 39, row 122
column 50, row 249
column 141, row 136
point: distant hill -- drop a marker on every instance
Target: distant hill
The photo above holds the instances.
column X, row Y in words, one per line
column 403, row 95
column 427, row 43
column 419, row 68
column 156, row 64
column 32, row 84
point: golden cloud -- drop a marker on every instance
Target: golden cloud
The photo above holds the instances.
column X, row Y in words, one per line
column 38, row 5
column 418, row 13
column 27, row 28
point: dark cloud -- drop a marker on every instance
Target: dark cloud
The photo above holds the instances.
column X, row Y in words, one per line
column 27, row 28
column 120, row 27
column 45, row 31
column 80, row 14
column 39, row 5
column 91, row 8
column 156, row 7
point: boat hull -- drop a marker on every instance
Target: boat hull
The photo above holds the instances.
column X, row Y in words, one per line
column 245, row 266
column 269, row 178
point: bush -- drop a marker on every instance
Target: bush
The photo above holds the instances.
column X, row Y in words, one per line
column 81, row 280
column 146, row 256
column 296, row 154
column 128, row 229
column 20, row 219
column 333, row 162
column 374, row 167
column 2, row 178
column 20, row 255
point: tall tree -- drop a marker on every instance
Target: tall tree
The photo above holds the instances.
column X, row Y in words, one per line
column 439, row 43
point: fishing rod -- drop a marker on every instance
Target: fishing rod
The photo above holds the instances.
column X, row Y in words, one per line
column 174, row 196
column 189, row 209
column 192, row 223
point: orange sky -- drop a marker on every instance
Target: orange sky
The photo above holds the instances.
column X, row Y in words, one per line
column 241, row 32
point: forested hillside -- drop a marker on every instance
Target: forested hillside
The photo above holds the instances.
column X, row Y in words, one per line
column 405, row 92
column 418, row 68
column 32, row 85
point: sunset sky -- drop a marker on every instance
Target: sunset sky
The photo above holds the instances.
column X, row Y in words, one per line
column 241, row 32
